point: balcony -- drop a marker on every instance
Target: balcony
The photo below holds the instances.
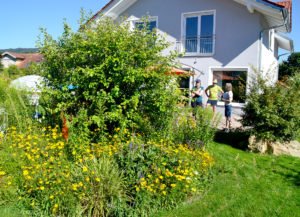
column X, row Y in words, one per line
column 196, row 46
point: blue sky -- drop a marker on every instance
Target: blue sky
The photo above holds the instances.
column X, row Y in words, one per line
column 20, row 20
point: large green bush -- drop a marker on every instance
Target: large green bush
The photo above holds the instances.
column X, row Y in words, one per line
column 118, row 78
column 273, row 111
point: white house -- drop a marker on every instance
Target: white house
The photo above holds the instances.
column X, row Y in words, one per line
column 228, row 40
column 21, row 60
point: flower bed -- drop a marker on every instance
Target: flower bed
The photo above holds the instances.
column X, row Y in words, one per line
column 125, row 176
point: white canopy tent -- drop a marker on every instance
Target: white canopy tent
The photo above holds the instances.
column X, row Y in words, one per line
column 32, row 84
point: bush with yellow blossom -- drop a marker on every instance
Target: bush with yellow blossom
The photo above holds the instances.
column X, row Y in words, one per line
column 124, row 176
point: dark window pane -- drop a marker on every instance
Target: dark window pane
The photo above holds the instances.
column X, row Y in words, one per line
column 148, row 25
column 139, row 25
column 207, row 31
column 152, row 25
column 237, row 79
column 191, row 33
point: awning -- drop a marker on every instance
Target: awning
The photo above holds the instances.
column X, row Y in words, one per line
column 180, row 72
column 284, row 42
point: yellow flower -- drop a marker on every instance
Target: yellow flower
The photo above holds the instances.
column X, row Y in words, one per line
column 97, row 179
column 74, row 187
column 84, row 169
column 2, row 173
column 51, row 197
column 193, row 189
column 173, row 185
column 87, row 179
column 25, row 172
column 42, row 188
column 162, row 186
column 164, row 192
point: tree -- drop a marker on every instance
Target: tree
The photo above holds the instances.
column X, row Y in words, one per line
column 109, row 77
column 290, row 67
column 273, row 111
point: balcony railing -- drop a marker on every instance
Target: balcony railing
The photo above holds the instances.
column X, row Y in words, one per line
column 196, row 45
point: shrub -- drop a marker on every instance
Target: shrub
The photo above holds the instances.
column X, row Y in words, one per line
column 195, row 127
column 273, row 111
column 35, row 169
column 118, row 78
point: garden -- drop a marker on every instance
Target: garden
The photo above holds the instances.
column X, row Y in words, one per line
column 111, row 139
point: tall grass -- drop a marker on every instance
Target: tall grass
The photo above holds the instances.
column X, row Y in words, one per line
column 14, row 107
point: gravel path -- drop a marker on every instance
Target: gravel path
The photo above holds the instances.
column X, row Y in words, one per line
column 236, row 117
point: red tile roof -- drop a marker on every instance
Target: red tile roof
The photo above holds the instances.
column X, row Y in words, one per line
column 24, row 59
column 288, row 5
column 30, row 58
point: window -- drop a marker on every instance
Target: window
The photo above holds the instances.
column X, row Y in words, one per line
column 238, row 79
column 149, row 24
column 199, row 32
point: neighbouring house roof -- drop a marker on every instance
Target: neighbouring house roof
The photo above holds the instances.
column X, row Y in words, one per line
column 280, row 10
column 289, row 6
column 24, row 59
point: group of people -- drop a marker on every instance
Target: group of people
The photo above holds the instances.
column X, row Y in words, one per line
column 213, row 92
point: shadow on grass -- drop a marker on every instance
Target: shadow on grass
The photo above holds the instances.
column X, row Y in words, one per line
column 237, row 139
column 290, row 172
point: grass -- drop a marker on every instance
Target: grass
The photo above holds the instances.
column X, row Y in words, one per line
column 247, row 184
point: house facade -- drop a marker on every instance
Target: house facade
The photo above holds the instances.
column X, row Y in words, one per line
column 21, row 60
column 227, row 40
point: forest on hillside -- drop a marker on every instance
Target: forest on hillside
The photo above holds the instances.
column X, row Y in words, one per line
column 19, row 50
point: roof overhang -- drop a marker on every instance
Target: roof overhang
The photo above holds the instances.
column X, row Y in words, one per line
column 284, row 42
column 114, row 8
column 276, row 15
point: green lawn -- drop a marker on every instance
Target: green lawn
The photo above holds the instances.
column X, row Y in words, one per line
column 247, row 184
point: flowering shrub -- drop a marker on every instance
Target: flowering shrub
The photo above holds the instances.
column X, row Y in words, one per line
column 162, row 174
column 196, row 130
column 125, row 176
column 47, row 182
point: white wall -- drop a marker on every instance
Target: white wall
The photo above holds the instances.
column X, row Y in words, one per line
column 7, row 61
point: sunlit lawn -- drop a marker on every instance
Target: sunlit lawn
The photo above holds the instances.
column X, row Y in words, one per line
column 247, row 184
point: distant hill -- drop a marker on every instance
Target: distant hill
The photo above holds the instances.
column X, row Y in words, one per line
column 20, row 50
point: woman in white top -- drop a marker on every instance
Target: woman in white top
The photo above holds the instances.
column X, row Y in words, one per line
column 227, row 98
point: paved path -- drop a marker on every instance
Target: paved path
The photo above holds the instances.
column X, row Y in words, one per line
column 236, row 117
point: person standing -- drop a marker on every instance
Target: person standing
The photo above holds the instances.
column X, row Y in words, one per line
column 227, row 98
column 197, row 93
column 212, row 92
